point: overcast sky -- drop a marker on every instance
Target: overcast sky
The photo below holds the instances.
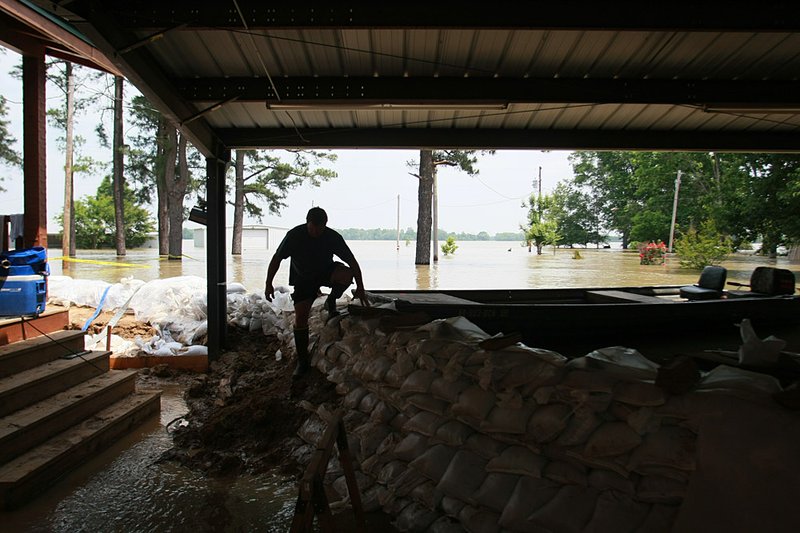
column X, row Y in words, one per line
column 363, row 196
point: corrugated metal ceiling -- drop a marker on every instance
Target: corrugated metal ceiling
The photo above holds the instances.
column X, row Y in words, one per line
column 713, row 81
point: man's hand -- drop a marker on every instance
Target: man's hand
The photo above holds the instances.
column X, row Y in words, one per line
column 361, row 295
column 269, row 291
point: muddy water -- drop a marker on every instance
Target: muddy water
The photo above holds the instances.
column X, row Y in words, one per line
column 476, row 264
column 124, row 488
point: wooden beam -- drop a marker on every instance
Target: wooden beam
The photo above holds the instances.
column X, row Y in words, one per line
column 34, row 146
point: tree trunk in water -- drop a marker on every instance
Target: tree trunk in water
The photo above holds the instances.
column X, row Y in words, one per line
column 238, row 205
column 68, row 240
column 435, row 218
column 119, row 180
column 176, row 194
column 424, row 202
column 166, row 174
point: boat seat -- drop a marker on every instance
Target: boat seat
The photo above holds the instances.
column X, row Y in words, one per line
column 765, row 282
column 708, row 287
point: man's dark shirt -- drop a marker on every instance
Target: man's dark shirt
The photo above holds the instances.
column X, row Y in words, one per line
column 311, row 257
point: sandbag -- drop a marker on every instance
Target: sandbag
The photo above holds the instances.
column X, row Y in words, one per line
column 548, row 422
column 411, row 447
column 566, row 473
column 529, row 495
column 434, row 462
column 415, row 517
column 517, row 460
column 569, row 511
column 495, row 491
column 464, row 475
column 425, row 423
column 612, row 439
column 671, row 446
column 453, row 433
column 616, row 512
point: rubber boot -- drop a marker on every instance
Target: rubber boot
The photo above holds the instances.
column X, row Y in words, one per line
column 330, row 303
column 303, row 360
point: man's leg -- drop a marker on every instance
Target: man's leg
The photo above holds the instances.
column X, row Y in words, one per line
column 301, row 312
column 341, row 278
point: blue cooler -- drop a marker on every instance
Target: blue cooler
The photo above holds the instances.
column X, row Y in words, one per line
column 24, row 262
column 23, row 295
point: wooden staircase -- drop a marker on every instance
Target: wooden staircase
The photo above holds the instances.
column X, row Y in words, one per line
column 59, row 405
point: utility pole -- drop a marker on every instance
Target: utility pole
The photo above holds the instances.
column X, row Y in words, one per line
column 674, row 211
column 398, row 222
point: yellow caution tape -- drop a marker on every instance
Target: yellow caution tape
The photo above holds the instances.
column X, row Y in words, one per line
column 95, row 262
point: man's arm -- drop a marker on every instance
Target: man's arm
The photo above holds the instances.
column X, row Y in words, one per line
column 272, row 269
column 359, row 292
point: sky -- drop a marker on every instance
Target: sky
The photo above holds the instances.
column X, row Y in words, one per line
column 364, row 195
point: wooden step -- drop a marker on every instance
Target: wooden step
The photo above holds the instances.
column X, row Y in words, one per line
column 33, row 385
column 22, row 355
column 33, row 472
column 29, row 427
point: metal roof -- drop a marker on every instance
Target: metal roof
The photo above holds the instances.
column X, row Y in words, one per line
column 533, row 75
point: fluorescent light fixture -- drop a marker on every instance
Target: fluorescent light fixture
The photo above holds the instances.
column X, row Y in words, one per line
column 355, row 106
column 746, row 109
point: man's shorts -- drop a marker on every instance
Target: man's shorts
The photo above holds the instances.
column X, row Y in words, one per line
column 308, row 289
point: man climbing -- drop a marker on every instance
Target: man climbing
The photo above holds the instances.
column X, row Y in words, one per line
column 312, row 246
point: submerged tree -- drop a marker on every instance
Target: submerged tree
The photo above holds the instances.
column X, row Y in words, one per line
column 262, row 177
column 542, row 228
column 427, row 217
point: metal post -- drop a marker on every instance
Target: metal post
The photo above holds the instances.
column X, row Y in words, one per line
column 398, row 222
column 674, row 211
column 215, row 250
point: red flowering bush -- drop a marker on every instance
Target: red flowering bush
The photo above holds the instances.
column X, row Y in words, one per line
column 652, row 253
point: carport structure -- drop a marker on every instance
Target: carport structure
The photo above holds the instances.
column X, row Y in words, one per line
column 711, row 76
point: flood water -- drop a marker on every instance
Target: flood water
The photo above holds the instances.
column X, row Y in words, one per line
column 124, row 488
column 475, row 265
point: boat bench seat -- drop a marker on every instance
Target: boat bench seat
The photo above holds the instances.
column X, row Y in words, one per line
column 621, row 297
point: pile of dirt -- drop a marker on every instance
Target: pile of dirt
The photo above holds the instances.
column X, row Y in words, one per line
column 127, row 327
column 244, row 414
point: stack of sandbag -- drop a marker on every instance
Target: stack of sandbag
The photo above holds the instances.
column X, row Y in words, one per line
column 450, row 436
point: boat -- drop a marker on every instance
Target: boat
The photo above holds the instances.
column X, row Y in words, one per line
column 610, row 313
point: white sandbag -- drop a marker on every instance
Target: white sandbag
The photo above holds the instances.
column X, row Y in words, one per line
column 427, row 494
column 495, row 491
column 566, row 473
column 390, row 471
column 382, row 413
column 616, row 512
column 659, row 519
column 454, row 328
column 445, row 525
column 618, row 361
column 529, row 495
column 452, row 506
column 447, row 390
column 376, row 369
column 612, row 439
column 583, row 380
column 618, row 463
column 480, row 521
column 485, row 446
column 415, row 517
column 453, row 433
column 474, row 404
column 569, row 511
column 659, row 489
column 368, row 403
column 402, row 485
column 311, row 430
column 504, row 420
column 425, row 423
column 606, row 480
column 736, row 380
column 418, row 381
column 548, row 421
column 464, row 475
column 517, row 460
column 434, row 462
column 639, row 393
column 670, row 446
column 370, row 436
column 581, row 425
column 644, row 420
column 428, row 403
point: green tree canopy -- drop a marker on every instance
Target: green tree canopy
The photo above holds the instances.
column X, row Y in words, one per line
column 94, row 219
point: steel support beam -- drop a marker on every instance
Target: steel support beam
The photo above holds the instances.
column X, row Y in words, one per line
column 476, row 90
column 417, row 138
column 215, row 251
column 681, row 15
